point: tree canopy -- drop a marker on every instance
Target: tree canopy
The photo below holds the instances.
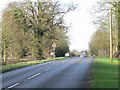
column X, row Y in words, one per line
column 99, row 44
column 30, row 28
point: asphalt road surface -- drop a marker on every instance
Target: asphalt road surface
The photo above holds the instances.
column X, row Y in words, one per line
column 67, row 73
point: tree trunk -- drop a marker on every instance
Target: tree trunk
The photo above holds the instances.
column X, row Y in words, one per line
column 11, row 56
column 111, row 38
column 4, row 53
column 118, row 26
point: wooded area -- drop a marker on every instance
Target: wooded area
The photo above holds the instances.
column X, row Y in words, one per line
column 30, row 28
column 100, row 40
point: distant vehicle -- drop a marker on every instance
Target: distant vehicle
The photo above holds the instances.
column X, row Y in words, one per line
column 67, row 55
column 83, row 55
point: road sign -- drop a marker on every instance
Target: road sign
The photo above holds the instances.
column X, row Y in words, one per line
column 54, row 45
column 52, row 53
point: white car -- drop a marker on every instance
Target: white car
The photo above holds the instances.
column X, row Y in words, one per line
column 67, row 55
column 83, row 55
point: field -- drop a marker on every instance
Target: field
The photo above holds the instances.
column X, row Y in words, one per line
column 105, row 73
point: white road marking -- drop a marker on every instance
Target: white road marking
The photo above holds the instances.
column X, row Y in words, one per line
column 13, row 86
column 48, row 69
column 34, row 76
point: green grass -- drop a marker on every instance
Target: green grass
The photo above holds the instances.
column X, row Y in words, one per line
column 10, row 67
column 105, row 73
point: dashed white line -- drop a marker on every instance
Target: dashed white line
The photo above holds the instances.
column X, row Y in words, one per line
column 48, row 69
column 12, row 86
column 34, row 76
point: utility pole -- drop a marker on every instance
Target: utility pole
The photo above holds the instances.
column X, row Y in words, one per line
column 111, row 40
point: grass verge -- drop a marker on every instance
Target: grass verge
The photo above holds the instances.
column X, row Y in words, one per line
column 10, row 67
column 105, row 73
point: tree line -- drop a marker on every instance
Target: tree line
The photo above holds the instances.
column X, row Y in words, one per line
column 30, row 28
column 100, row 40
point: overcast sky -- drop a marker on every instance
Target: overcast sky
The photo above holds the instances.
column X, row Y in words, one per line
column 80, row 21
column 81, row 24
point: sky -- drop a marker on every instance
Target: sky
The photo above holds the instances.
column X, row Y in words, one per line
column 79, row 20
column 81, row 24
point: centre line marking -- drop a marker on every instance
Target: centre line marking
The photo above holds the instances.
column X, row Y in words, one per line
column 34, row 76
column 48, row 69
column 13, row 86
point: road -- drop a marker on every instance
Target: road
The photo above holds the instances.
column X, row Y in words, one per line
column 67, row 73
